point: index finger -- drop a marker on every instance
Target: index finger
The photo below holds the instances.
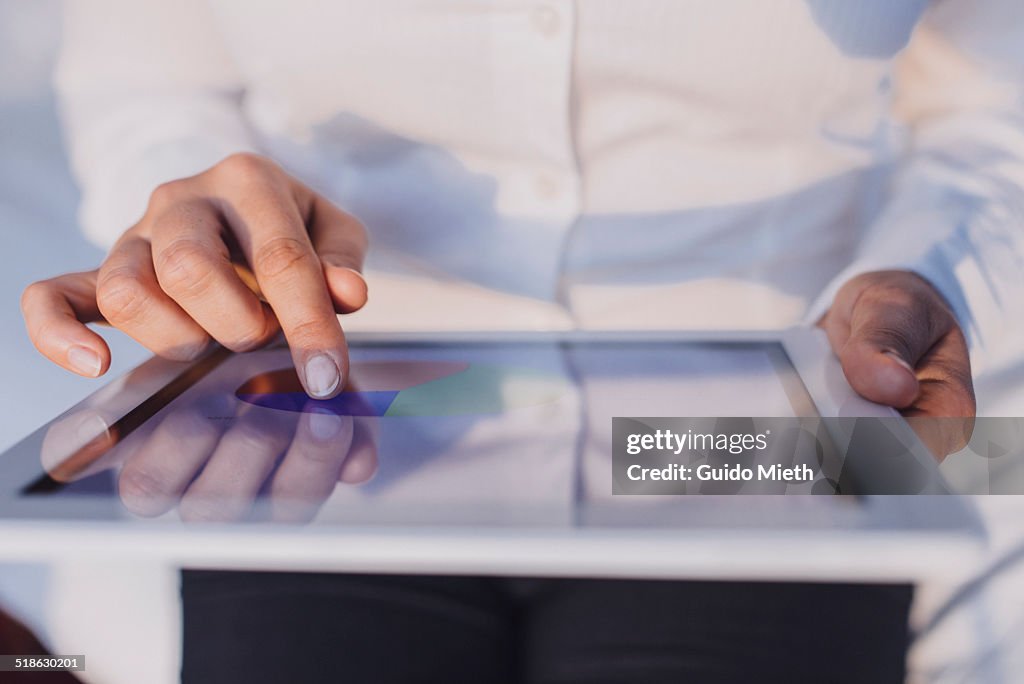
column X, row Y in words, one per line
column 271, row 230
column 56, row 312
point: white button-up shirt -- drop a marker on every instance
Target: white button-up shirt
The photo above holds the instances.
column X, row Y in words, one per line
column 606, row 163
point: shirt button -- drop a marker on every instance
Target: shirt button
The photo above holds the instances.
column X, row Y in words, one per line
column 546, row 20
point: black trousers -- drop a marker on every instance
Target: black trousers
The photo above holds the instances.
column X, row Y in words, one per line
column 299, row 627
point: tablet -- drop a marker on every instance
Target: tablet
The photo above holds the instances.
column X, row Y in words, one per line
column 481, row 453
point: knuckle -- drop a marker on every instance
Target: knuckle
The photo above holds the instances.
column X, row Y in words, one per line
column 183, row 268
column 166, row 194
column 246, row 340
column 120, row 295
column 279, row 255
column 243, row 165
column 35, row 291
column 250, row 330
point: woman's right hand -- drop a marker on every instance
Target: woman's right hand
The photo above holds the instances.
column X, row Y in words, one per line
column 178, row 277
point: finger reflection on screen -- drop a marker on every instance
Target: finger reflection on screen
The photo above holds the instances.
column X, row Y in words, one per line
column 215, row 459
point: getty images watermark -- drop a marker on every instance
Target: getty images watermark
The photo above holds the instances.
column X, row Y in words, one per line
column 810, row 456
column 734, row 444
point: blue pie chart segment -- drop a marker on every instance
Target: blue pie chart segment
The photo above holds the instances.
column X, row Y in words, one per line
column 412, row 388
column 373, row 403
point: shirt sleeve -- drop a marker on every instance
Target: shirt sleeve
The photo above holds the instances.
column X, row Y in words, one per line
column 955, row 210
column 148, row 93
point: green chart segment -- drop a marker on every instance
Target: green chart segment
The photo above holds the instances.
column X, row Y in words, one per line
column 413, row 388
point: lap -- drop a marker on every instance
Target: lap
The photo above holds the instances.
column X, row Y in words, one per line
column 652, row 631
column 309, row 627
column 257, row 627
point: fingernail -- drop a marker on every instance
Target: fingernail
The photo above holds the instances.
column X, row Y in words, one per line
column 85, row 361
column 898, row 359
column 91, row 427
column 324, row 426
column 322, row 376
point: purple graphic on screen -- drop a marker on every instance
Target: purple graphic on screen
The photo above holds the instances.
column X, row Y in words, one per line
column 345, row 404
column 372, row 388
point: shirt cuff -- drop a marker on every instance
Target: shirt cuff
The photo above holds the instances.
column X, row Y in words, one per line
column 947, row 264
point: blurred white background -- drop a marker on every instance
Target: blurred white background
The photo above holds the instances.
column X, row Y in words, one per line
column 38, row 238
column 37, row 218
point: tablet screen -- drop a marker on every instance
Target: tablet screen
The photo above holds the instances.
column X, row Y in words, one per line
column 480, row 433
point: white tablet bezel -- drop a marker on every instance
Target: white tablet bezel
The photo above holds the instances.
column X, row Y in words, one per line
column 912, row 535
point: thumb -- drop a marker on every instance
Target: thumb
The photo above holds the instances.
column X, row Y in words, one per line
column 889, row 330
column 878, row 373
column 347, row 286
